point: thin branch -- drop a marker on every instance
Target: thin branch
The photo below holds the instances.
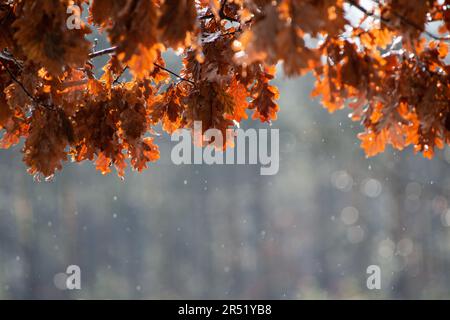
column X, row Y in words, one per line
column 7, row 57
column 11, row 58
column 413, row 24
column 174, row 74
column 102, row 52
column 116, row 80
column 14, row 78
column 385, row 21
column 112, row 50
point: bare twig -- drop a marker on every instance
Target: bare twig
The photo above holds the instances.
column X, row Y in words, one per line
column 174, row 74
column 116, row 80
column 102, row 52
column 386, row 22
column 7, row 57
column 14, row 78
column 112, row 50
column 32, row 98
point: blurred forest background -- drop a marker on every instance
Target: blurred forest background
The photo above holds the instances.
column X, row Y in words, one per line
column 225, row 232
